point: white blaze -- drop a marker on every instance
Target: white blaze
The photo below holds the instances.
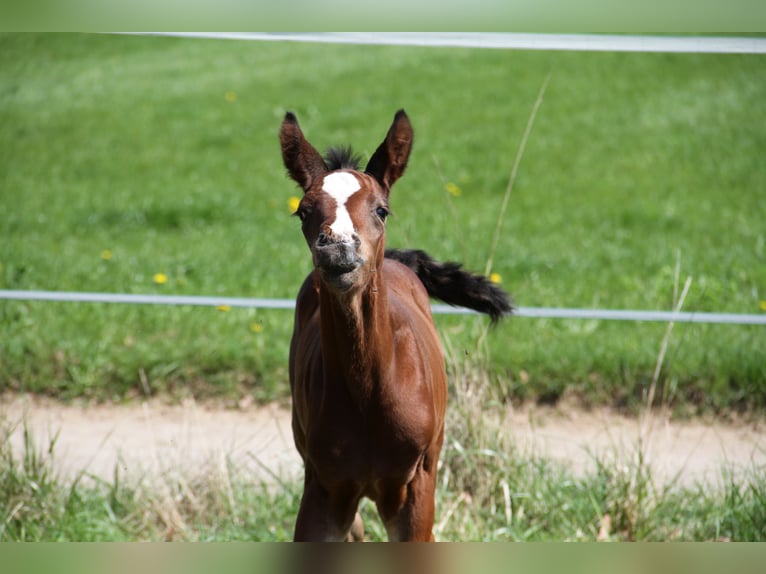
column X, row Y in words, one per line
column 341, row 185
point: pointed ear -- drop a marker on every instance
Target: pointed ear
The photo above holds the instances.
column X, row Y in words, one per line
column 303, row 162
column 388, row 162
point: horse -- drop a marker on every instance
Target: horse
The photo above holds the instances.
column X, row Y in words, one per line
column 366, row 366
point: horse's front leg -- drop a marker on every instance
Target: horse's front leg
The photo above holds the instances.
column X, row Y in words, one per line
column 327, row 516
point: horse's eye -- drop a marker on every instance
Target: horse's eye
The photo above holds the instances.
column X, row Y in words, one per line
column 382, row 213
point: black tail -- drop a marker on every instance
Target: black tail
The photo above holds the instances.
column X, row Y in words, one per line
column 450, row 283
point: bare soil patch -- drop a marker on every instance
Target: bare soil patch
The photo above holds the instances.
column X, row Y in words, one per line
column 153, row 437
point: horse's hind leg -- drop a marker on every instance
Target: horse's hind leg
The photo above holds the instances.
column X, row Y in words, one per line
column 356, row 534
column 408, row 511
column 325, row 516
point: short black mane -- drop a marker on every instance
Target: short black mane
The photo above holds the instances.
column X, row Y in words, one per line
column 342, row 157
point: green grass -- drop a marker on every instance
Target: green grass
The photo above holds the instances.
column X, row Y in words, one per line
column 163, row 151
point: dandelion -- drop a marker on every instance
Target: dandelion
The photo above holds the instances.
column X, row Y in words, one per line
column 256, row 327
column 230, row 97
column 293, row 203
column 224, row 308
column 762, row 305
column 106, row 255
column 160, row 278
column 495, row 278
column 453, row 189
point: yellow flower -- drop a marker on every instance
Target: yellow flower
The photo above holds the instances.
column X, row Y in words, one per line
column 224, row 308
column 293, row 203
column 160, row 278
column 256, row 327
column 106, row 255
column 230, row 97
column 762, row 305
column 453, row 189
column 495, row 277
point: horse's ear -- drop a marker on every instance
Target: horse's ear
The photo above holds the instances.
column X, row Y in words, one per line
column 303, row 162
column 388, row 162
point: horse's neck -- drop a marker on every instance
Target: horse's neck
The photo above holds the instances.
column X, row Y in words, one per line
column 357, row 338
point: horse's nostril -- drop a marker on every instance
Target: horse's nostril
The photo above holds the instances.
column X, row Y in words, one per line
column 322, row 239
column 357, row 241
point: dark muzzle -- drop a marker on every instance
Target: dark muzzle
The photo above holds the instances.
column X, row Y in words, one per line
column 335, row 258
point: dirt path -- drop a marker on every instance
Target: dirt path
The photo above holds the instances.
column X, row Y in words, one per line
column 690, row 452
column 152, row 437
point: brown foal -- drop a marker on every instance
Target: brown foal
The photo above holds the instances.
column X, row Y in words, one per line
column 367, row 373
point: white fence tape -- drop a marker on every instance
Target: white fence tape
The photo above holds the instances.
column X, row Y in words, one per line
column 573, row 42
column 535, row 312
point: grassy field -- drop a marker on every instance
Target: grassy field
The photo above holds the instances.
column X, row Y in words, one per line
column 151, row 165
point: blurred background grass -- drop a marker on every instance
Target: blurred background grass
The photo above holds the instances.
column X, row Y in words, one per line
column 126, row 157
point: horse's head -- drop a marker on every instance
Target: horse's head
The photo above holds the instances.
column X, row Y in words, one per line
column 343, row 209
